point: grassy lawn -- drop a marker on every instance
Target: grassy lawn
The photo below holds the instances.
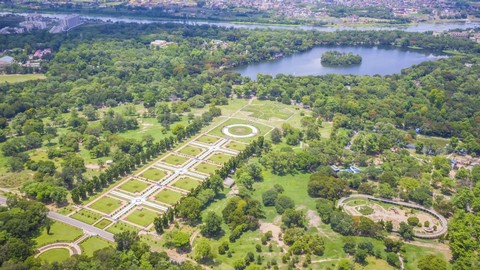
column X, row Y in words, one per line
column 121, row 227
column 236, row 146
column 94, row 243
column 150, row 126
column 106, row 205
column 326, row 129
column 208, row 139
column 220, row 158
column 103, row 223
column 295, row 187
column 142, row 217
column 240, row 130
column 191, row 150
column 55, row 255
column 168, row 196
column 356, row 201
column 175, row 160
column 134, row 186
column 66, row 210
column 154, row 174
column 436, row 141
column 374, row 264
column 365, row 210
column 186, row 183
column 16, row 78
column 262, row 129
column 414, row 253
column 206, row 168
column 59, row 232
column 86, row 216
column 267, row 110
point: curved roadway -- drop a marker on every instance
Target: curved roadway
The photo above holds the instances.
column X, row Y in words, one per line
column 442, row 219
column 73, row 222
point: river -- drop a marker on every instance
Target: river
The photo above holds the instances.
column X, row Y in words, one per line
column 421, row 27
column 381, row 61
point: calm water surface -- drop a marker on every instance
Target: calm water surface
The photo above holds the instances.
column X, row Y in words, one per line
column 421, row 27
column 375, row 61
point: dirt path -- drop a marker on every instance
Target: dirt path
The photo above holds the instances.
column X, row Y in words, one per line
column 194, row 235
column 326, row 260
column 276, row 230
column 314, row 220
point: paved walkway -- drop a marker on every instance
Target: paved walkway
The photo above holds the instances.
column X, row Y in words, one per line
column 177, row 172
column 85, row 227
column 91, row 230
column 433, row 235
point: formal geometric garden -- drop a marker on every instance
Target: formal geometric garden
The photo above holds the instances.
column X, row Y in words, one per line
column 134, row 203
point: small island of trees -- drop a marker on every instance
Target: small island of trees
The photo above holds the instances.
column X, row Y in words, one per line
column 336, row 58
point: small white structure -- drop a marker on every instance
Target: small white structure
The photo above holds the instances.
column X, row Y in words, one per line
column 6, row 60
column 160, row 43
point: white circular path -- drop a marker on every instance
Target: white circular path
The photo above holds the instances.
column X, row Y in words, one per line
column 226, row 131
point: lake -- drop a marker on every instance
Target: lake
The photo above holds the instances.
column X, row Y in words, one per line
column 381, row 61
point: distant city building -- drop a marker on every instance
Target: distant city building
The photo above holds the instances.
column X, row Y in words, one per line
column 12, row 30
column 33, row 21
column 6, row 60
column 70, row 22
column 67, row 23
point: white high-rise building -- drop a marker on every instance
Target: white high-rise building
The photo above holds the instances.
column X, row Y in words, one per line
column 70, row 21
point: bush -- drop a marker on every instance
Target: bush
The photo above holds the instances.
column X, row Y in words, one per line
column 282, row 203
column 413, row 221
column 269, row 197
column 393, row 260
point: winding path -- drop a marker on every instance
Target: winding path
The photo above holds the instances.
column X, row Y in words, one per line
column 433, row 235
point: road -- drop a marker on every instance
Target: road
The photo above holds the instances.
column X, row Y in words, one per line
column 73, row 222
column 86, row 227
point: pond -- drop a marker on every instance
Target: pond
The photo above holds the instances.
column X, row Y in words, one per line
column 381, row 61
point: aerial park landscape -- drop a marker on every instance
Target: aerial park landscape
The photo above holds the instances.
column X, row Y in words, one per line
column 263, row 136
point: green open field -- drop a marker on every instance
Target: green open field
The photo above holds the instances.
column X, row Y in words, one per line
column 134, row 186
column 59, row 232
column 356, row 201
column 235, row 146
column 374, row 264
column 102, row 223
column 262, row 129
column 142, row 217
column 154, row 174
column 219, row 158
column 191, row 150
column 436, row 141
column 150, row 126
column 106, row 205
column 168, row 196
column 326, row 129
column 94, row 243
column 240, row 130
column 267, row 110
column 16, row 78
column 121, row 227
column 175, row 160
column 206, row 168
column 186, row 183
column 55, row 255
column 365, row 210
column 208, row 139
column 86, row 216
column 66, row 210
